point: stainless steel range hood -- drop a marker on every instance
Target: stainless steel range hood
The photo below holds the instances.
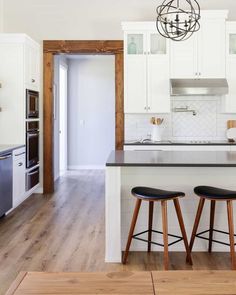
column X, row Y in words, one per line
column 186, row 87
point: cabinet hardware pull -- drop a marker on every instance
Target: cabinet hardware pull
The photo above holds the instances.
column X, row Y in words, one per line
column 17, row 155
column 5, row 157
column 33, row 173
column 20, row 164
column 33, row 80
column 149, row 108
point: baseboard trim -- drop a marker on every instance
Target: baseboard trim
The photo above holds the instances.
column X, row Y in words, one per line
column 87, row 167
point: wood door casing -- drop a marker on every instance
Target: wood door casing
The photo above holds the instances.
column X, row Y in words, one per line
column 54, row 47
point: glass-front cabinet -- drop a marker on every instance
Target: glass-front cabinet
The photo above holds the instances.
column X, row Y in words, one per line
column 157, row 44
column 146, row 69
column 135, row 44
column 145, row 43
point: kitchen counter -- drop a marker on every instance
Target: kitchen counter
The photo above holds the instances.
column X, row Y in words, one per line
column 172, row 159
column 9, row 148
column 168, row 170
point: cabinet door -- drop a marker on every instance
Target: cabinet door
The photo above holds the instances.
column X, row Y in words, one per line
column 212, row 49
column 158, row 84
column 135, row 84
column 183, row 58
column 135, row 73
column 18, row 179
column 230, row 99
column 32, row 66
column 158, row 74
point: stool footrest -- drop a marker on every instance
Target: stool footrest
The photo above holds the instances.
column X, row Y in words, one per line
column 199, row 235
column 179, row 239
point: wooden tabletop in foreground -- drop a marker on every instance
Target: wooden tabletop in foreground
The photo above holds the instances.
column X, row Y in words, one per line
column 124, row 283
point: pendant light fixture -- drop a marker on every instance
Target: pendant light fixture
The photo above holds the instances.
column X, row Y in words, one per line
column 178, row 19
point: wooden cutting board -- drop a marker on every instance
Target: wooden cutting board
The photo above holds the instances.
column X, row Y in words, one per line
column 231, row 124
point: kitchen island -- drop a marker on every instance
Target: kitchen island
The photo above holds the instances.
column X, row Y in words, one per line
column 170, row 170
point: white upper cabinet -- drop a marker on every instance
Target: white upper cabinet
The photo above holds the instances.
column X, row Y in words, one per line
column 32, row 65
column 184, row 58
column 230, row 99
column 146, row 69
column 203, row 55
column 19, row 70
column 211, row 48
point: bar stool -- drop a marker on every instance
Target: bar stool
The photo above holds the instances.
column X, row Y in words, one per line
column 152, row 195
column 215, row 194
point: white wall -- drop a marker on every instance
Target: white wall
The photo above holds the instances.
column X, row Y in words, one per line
column 58, row 60
column 91, row 110
column 85, row 19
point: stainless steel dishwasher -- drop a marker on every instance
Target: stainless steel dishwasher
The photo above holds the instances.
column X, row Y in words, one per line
column 5, row 183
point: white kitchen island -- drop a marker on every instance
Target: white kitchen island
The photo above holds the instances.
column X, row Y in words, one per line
column 169, row 170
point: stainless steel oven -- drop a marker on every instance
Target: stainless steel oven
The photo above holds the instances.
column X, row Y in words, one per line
column 32, row 104
column 32, row 144
column 32, row 178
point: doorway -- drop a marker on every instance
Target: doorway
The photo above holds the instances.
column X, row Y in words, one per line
column 63, row 76
column 84, row 120
column 55, row 47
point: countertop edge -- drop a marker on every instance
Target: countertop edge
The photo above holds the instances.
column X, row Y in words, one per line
column 170, row 165
column 11, row 148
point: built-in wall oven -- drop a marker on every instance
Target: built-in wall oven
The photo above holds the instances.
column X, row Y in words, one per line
column 32, row 104
column 32, row 143
column 32, row 154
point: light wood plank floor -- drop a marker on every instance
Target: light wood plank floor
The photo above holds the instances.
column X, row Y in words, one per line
column 65, row 232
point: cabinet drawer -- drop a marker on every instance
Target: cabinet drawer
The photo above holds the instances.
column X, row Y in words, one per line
column 18, row 179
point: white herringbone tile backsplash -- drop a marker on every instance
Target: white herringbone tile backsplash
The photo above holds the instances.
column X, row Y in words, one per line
column 204, row 124
column 209, row 123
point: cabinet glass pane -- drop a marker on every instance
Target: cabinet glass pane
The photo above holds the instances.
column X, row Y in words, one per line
column 157, row 44
column 232, row 43
column 135, row 44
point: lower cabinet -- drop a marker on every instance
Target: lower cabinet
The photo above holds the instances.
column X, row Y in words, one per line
column 18, row 176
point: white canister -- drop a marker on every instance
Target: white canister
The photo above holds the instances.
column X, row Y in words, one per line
column 157, row 131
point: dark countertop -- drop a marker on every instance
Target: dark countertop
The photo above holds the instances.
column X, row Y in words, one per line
column 191, row 143
column 9, row 148
column 171, row 159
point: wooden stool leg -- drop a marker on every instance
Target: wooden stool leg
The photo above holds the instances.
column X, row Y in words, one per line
column 165, row 233
column 183, row 231
column 150, row 221
column 132, row 227
column 231, row 233
column 196, row 223
column 212, row 218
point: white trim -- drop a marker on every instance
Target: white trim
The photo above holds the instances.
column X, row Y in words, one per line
column 1, row 16
column 86, row 167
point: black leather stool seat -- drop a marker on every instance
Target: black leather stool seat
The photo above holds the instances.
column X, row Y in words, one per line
column 153, row 193
column 214, row 192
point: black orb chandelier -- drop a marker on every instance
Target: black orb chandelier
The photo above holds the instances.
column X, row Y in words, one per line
column 178, row 19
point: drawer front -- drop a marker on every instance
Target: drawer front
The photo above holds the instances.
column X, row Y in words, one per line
column 18, row 152
column 18, row 179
